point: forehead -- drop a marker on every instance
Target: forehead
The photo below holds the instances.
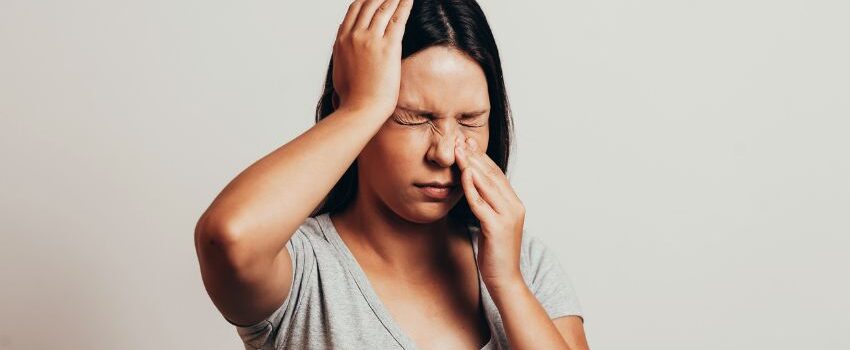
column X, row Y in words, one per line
column 443, row 80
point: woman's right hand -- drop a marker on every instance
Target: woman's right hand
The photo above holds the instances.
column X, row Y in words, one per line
column 367, row 55
column 240, row 238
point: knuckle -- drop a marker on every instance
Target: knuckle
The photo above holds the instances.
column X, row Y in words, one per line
column 362, row 42
column 342, row 40
column 356, row 36
column 370, row 42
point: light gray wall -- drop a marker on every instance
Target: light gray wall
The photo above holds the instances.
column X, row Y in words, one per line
column 688, row 161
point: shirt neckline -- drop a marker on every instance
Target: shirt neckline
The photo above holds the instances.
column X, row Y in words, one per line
column 375, row 303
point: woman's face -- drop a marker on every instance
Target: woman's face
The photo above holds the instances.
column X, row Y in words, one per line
column 443, row 95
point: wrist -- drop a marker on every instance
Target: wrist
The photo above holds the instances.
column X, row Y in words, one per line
column 507, row 287
column 364, row 111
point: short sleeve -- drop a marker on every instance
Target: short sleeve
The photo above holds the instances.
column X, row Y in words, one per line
column 548, row 280
column 264, row 334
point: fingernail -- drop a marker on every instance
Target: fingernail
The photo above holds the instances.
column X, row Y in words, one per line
column 471, row 143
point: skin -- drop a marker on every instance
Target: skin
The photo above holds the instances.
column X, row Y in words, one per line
column 397, row 232
column 240, row 238
column 501, row 213
column 416, row 259
column 401, row 224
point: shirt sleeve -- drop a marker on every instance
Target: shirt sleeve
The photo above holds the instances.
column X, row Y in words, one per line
column 548, row 280
column 265, row 334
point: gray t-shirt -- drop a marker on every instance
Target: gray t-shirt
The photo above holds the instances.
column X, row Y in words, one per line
column 332, row 305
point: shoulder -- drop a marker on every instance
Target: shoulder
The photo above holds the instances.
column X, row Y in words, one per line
column 316, row 243
column 311, row 227
column 547, row 278
column 540, row 255
column 312, row 232
column 534, row 250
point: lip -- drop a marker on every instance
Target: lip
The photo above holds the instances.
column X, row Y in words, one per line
column 437, row 191
column 437, row 184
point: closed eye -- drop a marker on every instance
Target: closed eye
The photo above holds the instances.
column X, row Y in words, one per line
column 413, row 120
column 406, row 119
column 473, row 122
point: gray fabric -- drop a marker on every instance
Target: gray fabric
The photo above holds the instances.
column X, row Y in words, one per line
column 332, row 305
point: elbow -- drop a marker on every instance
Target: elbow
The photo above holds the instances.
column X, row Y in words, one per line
column 216, row 241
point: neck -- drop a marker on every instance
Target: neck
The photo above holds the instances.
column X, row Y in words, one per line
column 380, row 236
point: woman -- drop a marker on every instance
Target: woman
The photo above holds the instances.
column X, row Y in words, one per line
column 390, row 223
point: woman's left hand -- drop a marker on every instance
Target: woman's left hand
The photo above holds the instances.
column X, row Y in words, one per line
column 498, row 208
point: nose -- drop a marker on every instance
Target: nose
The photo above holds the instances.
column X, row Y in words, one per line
column 442, row 150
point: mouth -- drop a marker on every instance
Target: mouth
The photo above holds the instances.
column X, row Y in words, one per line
column 437, row 190
column 437, row 184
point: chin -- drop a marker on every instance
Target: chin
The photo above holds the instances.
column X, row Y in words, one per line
column 414, row 209
column 426, row 212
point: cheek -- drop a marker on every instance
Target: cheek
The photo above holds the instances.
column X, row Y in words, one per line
column 397, row 154
column 404, row 143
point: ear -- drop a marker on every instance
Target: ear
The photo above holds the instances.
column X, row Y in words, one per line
column 335, row 100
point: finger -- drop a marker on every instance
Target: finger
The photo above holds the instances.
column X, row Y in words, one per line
column 489, row 188
column 382, row 16
column 367, row 11
column 490, row 172
column 468, row 157
column 395, row 28
column 483, row 157
column 461, row 158
column 350, row 18
column 477, row 204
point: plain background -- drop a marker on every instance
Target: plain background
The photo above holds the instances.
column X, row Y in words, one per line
column 687, row 161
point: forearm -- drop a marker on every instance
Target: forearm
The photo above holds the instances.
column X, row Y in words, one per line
column 264, row 205
column 526, row 322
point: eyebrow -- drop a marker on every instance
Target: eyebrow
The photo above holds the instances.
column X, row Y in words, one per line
column 422, row 112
